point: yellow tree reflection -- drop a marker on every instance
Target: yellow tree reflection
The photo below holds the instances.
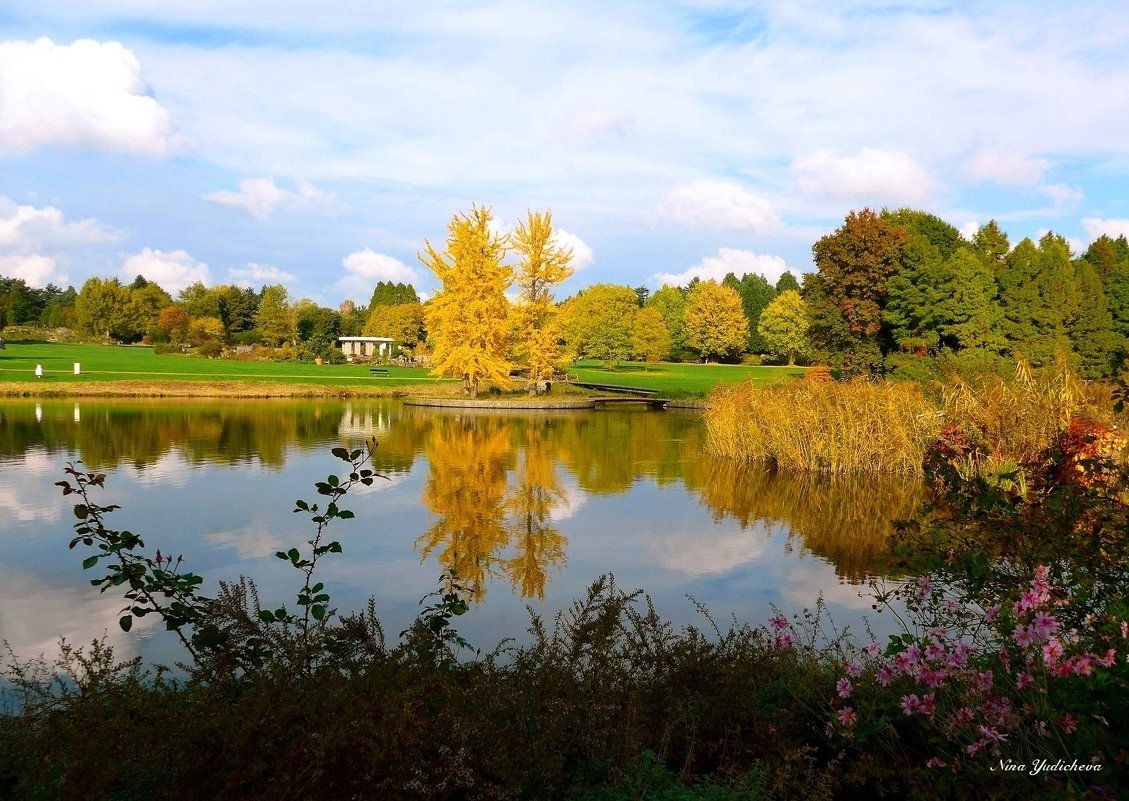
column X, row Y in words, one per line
column 536, row 493
column 469, row 459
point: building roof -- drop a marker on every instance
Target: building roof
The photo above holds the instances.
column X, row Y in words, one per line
column 365, row 339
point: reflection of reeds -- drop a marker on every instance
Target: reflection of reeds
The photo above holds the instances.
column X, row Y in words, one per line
column 824, row 427
column 846, row 519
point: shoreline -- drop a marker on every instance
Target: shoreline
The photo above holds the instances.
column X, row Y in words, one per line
column 425, row 394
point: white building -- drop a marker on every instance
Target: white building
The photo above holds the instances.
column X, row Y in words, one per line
column 366, row 347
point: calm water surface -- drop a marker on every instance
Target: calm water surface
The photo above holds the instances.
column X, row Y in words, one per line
column 529, row 507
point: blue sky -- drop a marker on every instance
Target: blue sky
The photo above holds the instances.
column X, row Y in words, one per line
column 319, row 144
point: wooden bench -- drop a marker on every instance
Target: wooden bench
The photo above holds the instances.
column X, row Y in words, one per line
column 379, row 372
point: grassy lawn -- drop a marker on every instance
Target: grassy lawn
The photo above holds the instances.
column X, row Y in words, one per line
column 102, row 363
column 681, row 379
column 137, row 370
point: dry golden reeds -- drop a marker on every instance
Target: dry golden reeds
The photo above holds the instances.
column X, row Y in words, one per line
column 824, row 427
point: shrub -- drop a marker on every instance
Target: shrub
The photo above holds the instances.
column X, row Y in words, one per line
column 210, row 348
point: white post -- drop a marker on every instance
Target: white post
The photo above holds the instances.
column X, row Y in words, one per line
column 77, row 369
column 39, row 371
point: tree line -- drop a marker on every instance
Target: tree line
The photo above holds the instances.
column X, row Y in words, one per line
column 893, row 292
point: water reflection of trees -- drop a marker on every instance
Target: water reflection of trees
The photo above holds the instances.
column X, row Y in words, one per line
column 495, row 480
column 843, row 518
column 106, row 434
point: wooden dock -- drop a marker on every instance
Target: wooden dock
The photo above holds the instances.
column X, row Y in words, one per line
column 654, row 403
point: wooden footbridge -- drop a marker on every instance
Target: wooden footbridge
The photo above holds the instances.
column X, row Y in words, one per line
column 636, row 395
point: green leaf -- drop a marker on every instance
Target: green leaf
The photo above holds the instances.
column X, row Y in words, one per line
column 293, row 555
column 345, row 514
column 318, row 612
column 89, row 562
column 317, row 587
column 126, row 622
column 341, row 453
column 81, row 510
column 281, row 555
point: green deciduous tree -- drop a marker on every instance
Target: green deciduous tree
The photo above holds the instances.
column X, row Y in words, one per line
column 714, row 321
column 650, row 337
column 784, row 326
column 670, row 302
column 467, row 320
column 275, row 318
column 846, row 296
column 102, row 308
column 598, row 322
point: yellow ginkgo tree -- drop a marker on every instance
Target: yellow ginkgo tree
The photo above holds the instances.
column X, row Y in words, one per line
column 467, row 319
column 543, row 262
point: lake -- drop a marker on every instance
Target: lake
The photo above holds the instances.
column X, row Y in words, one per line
column 529, row 507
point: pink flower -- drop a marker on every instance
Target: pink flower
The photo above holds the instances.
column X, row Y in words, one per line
column 872, row 649
column 934, row 762
column 843, row 687
column 847, row 716
column 885, row 676
column 1109, row 659
column 935, row 652
column 785, row 640
column 1043, row 626
column 960, row 655
column 1052, row 651
column 965, row 715
column 1023, row 636
column 992, row 613
column 159, row 559
column 778, row 623
column 910, row 704
column 1125, row 629
column 924, row 588
column 933, row 678
column 854, row 669
column 927, row 707
column 1067, row 723
column 1083, row 666
column 1024, row 680
column 983, row 680
column 991, row 734
column 975, row 747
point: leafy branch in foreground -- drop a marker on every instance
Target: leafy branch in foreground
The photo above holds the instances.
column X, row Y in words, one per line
column 211, row 626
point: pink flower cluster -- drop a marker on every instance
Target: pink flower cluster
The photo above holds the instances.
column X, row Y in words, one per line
column 966, row 689
column 783, row 637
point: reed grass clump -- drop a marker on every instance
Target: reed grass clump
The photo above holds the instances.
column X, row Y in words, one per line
column 1011, row 422
column 827, row 427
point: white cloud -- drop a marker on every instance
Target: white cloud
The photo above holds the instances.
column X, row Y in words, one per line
column 710, row 552
column 255, row 275
column 969, row 229
column 1111, row 227
column 364, row 268
column 28, row 228
column 85, row 94
column 598, row 124
column 727, row 260
column 173, row 270
column 1006, row 169
column 32, row 241
column 582, row 255
column 259, row 197
column 872, row 176
column 37, row 271
column 719, row 205
column 1066, row 198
